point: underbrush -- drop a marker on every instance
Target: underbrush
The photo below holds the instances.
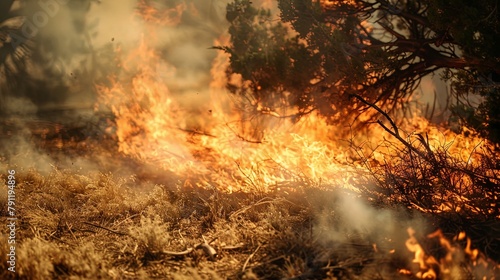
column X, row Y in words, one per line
column 457, row 188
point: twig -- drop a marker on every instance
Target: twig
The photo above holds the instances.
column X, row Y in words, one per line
column 246, row 175
column 260, row 202
column 182, row 253
column 233, row 247
column 209, row 250
column 182, row 238
column 393, row 124
column 395, row 131
column 195, row 132
column 204, row 246
column 248, row 259
column 70, row 231
column 243, row 138
column 130, row 217
column 211, row 240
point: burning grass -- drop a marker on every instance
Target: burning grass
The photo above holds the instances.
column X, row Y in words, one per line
column 153, row 224
column 158, row 198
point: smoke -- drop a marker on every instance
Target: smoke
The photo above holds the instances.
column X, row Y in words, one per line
column 24, row 156
column 75, row 43
column 75, row 47
column 347, row 218
column 20, row 106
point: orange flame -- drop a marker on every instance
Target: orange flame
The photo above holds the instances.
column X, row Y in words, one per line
column 165, row 17
column 234, row 149
column 425, row 262
column 454, row 259
column 150, row 126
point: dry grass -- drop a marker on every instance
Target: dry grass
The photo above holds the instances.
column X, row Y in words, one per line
column 97, row 226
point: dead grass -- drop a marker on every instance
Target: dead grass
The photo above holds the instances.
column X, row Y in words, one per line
column 100, row 227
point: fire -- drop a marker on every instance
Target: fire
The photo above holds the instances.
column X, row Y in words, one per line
column 453, row 260
column 233, row 147
column 425, row 262
column 165, row 17
column 229, row 148
column 151, row 126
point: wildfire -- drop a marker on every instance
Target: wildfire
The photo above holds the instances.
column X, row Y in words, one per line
column 193, row 130
column 232, row 147
column 228, row 148
column 151, row 126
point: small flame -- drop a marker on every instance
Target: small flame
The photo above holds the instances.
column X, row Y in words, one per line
column 425, row 262
column 450, row 265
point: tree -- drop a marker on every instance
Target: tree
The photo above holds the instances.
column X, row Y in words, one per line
column 374, row 50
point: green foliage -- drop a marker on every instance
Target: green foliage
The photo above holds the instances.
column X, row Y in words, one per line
column 482, row 115
column 474, row 27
